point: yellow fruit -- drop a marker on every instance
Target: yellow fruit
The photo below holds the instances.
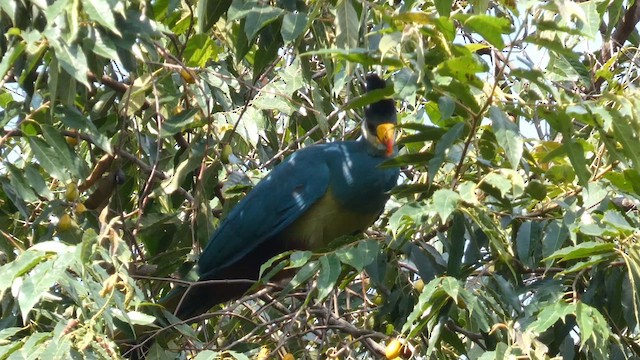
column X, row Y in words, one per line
column 187, row 76
column 288, row 356
column 71, row 192
column 418, row 285
column 378, row 300
column 393, row 349
column 80, row 208
column 263, row 354
column 73, row 141
column 65, row 223
column 227, row 151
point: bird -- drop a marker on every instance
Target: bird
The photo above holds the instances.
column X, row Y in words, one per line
column 314, row 196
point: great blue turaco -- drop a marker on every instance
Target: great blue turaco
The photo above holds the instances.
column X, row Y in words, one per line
column 316, row 195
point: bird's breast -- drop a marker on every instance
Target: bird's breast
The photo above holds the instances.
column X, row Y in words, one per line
column 326, row 221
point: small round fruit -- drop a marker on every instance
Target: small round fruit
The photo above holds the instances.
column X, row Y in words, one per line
column 187, row 76
column 65, row 223
column 80, row 208
column 288, row 356
column 393, row 349
column 263, row 354
column 227, row 151
column 378, row 300
column 71, row 193
column 419, row 285
column 71, row 140
column 536, row 190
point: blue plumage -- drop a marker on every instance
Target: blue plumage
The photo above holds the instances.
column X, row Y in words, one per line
column 314, row 196
column 347, row 168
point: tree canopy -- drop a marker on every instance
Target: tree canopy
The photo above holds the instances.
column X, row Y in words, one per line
column 130, row 128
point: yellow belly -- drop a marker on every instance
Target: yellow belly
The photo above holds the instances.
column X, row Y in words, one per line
column 324, row 222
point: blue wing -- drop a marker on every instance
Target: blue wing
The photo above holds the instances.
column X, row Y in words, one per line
column 275, row 203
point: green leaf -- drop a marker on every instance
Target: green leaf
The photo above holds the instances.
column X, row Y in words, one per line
column 508, row 136
column 200, row 50
column 549, row 315
column 591, row 21
column 431, row 301
column 407, row 159
column 280, row 263
column 446, row 141
column 498, row 182
column 451, row 286
column 268, row 99
column 293, row 25
column 359, row 256
column 461, row 68
column 576, row 156
column 240, row 9
column 57, row 142
column 425, row 133
column 72, row 60
column 100, row 11
column 561, row 174
column 369, row 97
column 583, row 250
column 585, row 321
column 615, row 219
column 447, row 106
column 37, row 183
column 299, row 258
column 10, row 56
column 444, row 7
column 405, row 216
column 405, row 84
column 134, row 317
column 631, row 178
column 209, row 354
column 40, row 279
column 20, row 184
column 15, row 199
column 347, row 25
column 445, row 202
column 101, row 45
column 489, row 27
column 357, row 55
column 556, row 234
column 21, row 265
column 179, row 122
column 525, row 245
column 258, row 19
column 7, row 333
column 186, row 167
column 628, row 137
column 304, row 274
column 48, row 159
column 209, row 12
column 72, row 118
column 269, row 43
column 330, row 269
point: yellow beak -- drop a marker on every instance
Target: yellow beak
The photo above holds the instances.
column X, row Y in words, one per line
column 386, row 135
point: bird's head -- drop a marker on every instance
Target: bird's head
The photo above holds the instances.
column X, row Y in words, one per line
column 380, row 119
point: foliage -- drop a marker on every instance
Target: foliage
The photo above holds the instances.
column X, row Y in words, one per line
column 130, row 128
